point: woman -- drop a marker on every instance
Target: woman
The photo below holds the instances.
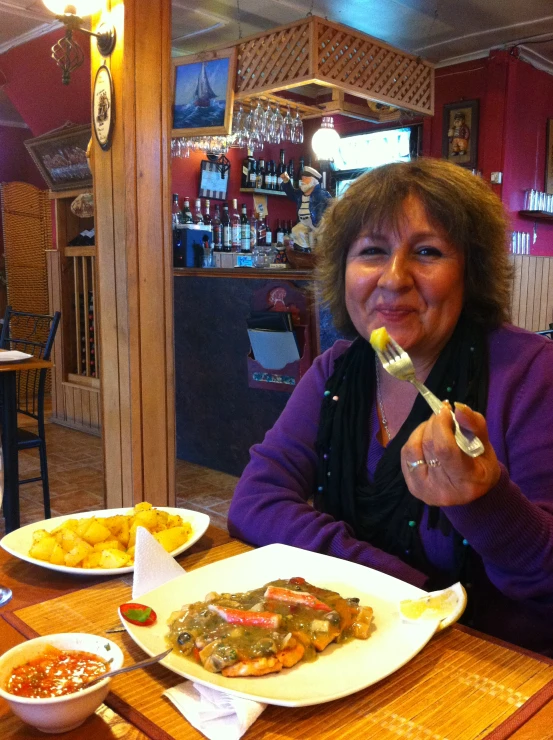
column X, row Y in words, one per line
column 420, row 249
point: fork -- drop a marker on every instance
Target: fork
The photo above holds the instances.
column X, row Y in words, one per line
column 397, row 362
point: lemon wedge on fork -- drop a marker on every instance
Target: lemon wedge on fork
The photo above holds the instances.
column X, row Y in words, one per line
column 443, row 606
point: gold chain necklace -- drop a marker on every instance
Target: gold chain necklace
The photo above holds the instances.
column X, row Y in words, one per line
column 379, row 401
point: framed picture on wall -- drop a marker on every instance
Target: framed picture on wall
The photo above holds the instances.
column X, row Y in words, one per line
column 60, row 156
column 213, row 185
column 203, row 93
column 460, row 133
column 549, row 157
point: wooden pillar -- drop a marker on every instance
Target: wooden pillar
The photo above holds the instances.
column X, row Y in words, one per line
column 134, row 262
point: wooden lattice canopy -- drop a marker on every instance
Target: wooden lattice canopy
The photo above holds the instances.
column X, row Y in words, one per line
column 308, row 57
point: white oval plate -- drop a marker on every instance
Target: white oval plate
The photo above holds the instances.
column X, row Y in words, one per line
column 18, row 542
column 340, row 670
column 13, row 355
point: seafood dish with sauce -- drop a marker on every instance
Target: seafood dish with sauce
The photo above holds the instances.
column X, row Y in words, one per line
column 267, row 629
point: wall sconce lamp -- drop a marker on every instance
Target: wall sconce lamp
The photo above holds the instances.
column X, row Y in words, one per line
column 325, row 141
column 66, row 52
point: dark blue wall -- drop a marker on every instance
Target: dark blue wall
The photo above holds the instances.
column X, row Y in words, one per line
column 218, row 416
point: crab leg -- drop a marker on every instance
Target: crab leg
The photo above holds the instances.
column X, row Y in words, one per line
column 269, row 620
column 302, row 598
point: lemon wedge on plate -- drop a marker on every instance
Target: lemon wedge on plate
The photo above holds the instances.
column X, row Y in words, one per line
column 443, row 606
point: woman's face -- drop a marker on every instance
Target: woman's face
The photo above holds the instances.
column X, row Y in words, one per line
column 409, row 280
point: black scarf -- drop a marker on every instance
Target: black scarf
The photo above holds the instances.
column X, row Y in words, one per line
column 384, row 512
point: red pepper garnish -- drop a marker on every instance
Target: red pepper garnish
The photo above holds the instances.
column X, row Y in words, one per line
column 138, row 614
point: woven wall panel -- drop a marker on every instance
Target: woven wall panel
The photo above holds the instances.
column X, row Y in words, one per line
column 27, row 223
column 26, row 218
column 273, row 60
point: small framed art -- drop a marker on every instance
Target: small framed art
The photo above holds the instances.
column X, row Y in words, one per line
column 460, row 133
column 60, row 156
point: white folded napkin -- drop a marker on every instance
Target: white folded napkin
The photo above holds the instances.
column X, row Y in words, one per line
column 217, row 715
column 153, row 566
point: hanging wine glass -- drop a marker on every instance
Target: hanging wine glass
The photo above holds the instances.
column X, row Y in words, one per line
column 288, row 126
column 266, row 122
column 257, row 117
column 238, row 119
column 277, row 122
column 297, row 131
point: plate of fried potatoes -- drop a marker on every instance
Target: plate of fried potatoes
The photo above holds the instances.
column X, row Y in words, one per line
column 97, row 543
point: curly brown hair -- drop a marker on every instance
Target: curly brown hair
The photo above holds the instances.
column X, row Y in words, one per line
column 462, row 204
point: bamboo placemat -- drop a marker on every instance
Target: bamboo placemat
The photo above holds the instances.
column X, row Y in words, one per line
column 460, row 687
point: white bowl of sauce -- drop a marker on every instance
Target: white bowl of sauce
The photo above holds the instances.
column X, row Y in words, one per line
column 41, row 678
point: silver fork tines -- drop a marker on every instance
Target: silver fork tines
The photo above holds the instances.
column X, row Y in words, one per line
column 397, row 362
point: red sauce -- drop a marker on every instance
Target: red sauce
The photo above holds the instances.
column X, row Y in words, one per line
column 55, row 673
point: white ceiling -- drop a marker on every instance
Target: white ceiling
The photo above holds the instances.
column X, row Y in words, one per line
column 442, row 31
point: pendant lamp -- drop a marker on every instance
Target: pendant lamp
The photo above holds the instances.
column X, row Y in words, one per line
column 325, row 141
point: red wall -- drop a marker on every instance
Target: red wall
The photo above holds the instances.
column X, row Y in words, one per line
column 35, row 88
column 515, row 102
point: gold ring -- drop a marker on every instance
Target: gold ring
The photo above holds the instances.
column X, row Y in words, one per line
column 413, row 465
column 433, row 463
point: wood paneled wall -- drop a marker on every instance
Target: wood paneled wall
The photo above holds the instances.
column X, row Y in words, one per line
column 532, row 294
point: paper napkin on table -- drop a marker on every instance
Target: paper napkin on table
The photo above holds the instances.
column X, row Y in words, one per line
column 218, row 715
column 153, row 566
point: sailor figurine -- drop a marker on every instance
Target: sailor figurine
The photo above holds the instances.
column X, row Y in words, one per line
column 311, row 201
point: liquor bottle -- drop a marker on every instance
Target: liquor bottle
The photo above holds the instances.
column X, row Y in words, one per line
column 175, row 211
column 268, row 235
column 247, row 164
column 272, row 176
column 235, row 227
column 281, row 169
column 260, row 182
column 261, row 231
column 226, row 229
column 207, row 218
column 280, row 233
column 299, row 173
column 253, row 173
column 198, row 216
column 217, row 231
column 290, row 170
column 253, row 232
column 244, row 230
column 186, row 214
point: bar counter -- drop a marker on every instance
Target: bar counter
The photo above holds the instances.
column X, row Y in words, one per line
column 218, row 415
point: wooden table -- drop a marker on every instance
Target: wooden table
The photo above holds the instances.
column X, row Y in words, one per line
column 8, row 374
column 381, row 711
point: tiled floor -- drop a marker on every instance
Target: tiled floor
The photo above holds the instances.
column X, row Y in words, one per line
column 76, row 480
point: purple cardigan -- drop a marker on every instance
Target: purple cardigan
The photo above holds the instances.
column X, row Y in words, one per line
column 510, row 528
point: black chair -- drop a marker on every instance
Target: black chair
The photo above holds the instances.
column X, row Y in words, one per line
column 33, row 334
column 547, row 332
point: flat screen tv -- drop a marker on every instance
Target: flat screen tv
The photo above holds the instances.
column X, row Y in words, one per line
column 361, row 152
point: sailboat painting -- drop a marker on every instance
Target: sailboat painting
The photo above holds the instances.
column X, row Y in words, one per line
column 203, row 94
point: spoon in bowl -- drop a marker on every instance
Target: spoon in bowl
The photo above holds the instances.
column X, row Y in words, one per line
column 128, row 668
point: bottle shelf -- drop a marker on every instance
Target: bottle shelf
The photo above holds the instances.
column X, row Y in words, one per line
column 537, row 215
column 262, row 191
